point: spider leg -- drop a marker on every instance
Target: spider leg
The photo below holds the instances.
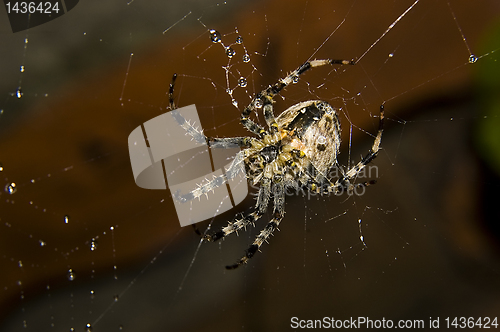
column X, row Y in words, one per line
column 278, row 214
column 235, row 226
column 198, row 135
column 269, row 115
column 345, row 180
column 236, row 166
column 252, row 126
column 265, row 96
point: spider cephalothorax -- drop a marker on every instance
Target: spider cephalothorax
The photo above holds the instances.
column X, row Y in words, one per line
column 297, row 151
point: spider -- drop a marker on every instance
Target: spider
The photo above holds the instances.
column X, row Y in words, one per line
column 296, row 151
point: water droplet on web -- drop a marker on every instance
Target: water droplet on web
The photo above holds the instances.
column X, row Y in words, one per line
column 42, row 243
column 1, row 167
column 230, row 52
column 242, row 82
column 215, row 36
column 235, row 103
column 71, row 276
column 88, row 327
column 295, row 79
column 246, row 58
column 239, row 40
column 71, row 329
column 19, row 93
column 257, row 103
column 21, row 69
column 92, row 294
column 20, row 263
column 66, row 219
column 472, row 58
column 391, row 55
column 120, row 327
column 93, row 244
column 10, row 188
column 116, row 297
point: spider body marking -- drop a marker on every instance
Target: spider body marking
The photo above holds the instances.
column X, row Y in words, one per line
column 297, row 151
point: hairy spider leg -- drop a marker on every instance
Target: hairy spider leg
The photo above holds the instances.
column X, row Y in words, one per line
column 266, row 96
column 345, row 180
column 278, row 213
column 236, row 166
column 260, row 209
column 251, row 218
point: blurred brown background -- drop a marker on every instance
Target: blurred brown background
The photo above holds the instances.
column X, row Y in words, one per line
column 430, row 224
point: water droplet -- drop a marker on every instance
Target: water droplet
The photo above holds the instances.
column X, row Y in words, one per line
column 215, row 36
column 472, row 58
column 93, row 244
column 120, row 327
column 239, row 40
column 1, row 168
column 88, row 327
column 230, row 52
column 257, row 103
column 321, row 140
column 235, row 103
column 246, row 58
column 321, row 143
column 21, row 69
column 19, row 93
column 391, row 55
column 25, row 324
column 242, row 82
column 115, row 298
column 42, row 243
column 20, row 263
column 71, row 275
column 19, row 283
column 295, row 79
column 10, row 188
column 66, row 219
column 92, row 294
column 72, row 329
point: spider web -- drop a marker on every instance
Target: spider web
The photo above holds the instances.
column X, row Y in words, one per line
column 84, row 248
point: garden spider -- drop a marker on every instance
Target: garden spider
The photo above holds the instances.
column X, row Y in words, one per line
column 296, row 151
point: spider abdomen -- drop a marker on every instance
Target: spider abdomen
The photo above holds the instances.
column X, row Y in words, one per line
column 313, row 128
